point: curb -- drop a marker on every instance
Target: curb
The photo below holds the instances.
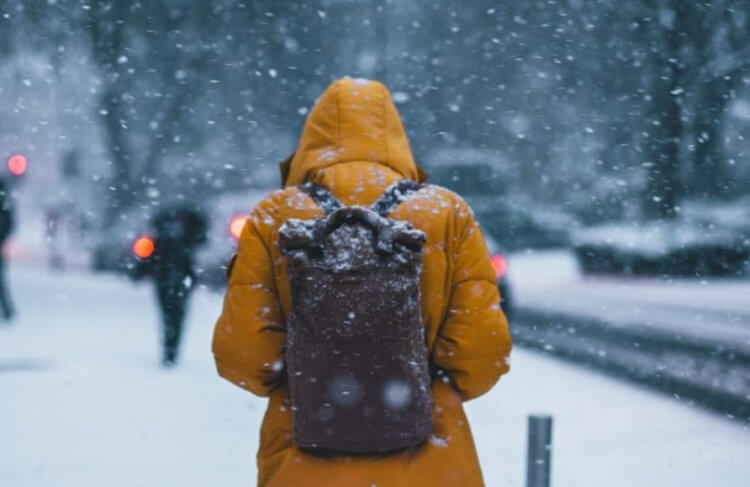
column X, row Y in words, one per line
column 714, row 375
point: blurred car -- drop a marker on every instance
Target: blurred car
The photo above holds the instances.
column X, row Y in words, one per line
column 472, row 171
column 115, row 250
column 484, row 178
column 228, row 212
column 112, row 250
column 499, row 261
column 519, row 228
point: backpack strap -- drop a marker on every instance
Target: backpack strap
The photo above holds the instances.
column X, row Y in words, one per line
column 320, row 194
column 396, row 194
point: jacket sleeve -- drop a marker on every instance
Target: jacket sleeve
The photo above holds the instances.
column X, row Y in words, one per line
column 249, row 337
column 473, row 344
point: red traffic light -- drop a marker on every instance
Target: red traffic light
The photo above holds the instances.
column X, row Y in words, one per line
column 17, row 164
column 236, row 224
column 143, row 247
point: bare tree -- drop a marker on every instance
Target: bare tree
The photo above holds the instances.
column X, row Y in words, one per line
column 721, row 31
column 146, row 92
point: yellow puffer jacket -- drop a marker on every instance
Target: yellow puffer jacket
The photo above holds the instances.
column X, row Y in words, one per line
column 354, row 144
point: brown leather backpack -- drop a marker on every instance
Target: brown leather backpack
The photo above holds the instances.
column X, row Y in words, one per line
column 355, row 353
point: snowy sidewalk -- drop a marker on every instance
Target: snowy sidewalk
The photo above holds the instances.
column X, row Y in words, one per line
column 83, row 403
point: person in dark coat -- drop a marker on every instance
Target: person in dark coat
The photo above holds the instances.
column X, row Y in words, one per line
column 7, row 223
column 178, row 232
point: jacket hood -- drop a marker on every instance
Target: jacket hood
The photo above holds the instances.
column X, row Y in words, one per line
column 353, row 120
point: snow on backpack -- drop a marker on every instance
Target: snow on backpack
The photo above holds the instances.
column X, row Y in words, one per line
column 356, row 356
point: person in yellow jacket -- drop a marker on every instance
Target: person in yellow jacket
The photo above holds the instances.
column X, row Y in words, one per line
column 353, row 143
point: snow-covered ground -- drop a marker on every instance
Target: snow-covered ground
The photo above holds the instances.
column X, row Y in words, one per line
column 711, row 309
column 84, row 403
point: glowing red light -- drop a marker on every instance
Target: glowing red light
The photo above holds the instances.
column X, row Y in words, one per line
column 499, row 265
column 17, row 164
column 143, row 248
column 236, row 224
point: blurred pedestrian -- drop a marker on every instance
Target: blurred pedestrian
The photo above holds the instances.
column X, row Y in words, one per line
column 178, row 232
column 7, row 223
column 353, row 244
column 53, row 216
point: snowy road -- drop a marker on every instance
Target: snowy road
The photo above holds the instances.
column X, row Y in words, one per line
column 715, row 310
column 83, row 403
column 688, row 337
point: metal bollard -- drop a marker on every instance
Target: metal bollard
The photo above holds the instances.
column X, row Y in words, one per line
column 540, row 451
